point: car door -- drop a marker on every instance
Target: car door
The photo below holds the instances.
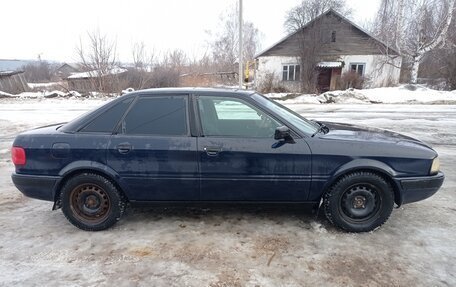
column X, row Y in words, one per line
column 153, row 151
column 239, row 158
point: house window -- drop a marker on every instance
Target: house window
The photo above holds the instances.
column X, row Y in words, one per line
column 333, row 36
column 358, row 68
column 291, row 72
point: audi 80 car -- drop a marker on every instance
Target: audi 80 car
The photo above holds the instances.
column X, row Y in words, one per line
column 214, row 145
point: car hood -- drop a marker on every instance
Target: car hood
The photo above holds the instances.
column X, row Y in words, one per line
column 347, row 132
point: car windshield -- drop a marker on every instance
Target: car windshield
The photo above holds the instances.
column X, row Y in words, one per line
column 305, row 125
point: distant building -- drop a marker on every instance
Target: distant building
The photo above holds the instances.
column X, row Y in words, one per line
column 208, row 79
column 92, row 81
column 67, row 69
column 344, row 48
column 13, row 82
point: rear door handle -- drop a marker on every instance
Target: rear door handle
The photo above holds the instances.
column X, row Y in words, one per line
column 212, row 151
column 124, row 148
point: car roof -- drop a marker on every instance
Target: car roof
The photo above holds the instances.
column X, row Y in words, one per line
column 192, row 90
column 77, row 123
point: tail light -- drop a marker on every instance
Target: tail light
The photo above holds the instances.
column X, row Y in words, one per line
column 18, row 155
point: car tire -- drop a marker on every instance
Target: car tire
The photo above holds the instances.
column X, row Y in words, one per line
column 91, row 202
column 359, row 202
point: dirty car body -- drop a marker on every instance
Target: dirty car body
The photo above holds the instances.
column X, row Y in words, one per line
column 215, row 145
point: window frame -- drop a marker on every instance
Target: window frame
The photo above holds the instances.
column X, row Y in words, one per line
column 357, row 65
column 118, row 129
column 288, row 66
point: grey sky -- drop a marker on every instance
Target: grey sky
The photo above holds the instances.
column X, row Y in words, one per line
column 53, row 28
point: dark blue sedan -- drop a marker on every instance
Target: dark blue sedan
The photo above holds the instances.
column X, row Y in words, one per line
column 209, row 145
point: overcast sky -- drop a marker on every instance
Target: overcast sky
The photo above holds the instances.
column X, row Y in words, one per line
column 53, row 28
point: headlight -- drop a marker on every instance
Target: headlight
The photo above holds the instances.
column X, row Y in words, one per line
column 435, row 167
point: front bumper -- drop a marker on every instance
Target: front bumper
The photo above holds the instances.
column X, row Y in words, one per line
column 419, row 188
column 36, row 186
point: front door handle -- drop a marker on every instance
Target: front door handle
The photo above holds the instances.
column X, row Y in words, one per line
column 124, row 148
column 212, row 151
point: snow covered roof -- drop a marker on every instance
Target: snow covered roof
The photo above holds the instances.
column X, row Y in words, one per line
column 337, row 64
column 74, row 66
column 96, row 73
column 9, row 73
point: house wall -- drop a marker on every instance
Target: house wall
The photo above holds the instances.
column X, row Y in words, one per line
column 377, row 72
column 272, row 66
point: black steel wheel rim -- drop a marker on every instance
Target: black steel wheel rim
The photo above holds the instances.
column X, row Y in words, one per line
column 360, row 202
column 90, row 203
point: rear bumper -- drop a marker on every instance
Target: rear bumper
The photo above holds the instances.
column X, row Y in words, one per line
column 419, row 188
column 36, row 186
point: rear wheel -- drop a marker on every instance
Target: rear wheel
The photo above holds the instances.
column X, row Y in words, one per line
column 359, row 202
column 91, row 202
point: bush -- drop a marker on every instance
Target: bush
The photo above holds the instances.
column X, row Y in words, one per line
column 37, row 72
column 270, row 84
column 352, row 79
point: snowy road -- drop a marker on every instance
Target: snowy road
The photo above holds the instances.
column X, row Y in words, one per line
column 227, row 246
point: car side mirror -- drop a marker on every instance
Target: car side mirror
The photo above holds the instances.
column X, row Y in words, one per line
column 283, row 133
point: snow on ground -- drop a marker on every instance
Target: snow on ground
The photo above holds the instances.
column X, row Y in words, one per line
column 231, row 245
column 404, row 94
column 5, row 95
column 54, row 94
column 43, row 85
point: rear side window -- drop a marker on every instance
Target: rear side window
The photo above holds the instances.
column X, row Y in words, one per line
column 157, row 116
column 108, row 120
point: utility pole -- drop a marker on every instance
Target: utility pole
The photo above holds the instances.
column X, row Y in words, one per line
column 240, row 46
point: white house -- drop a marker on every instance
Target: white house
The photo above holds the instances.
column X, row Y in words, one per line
column 343, row 48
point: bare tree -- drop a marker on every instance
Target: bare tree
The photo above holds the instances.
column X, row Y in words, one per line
column 37, row 72
column 440, row 64
column 414, row 28
column 98, row 58
column 310, row 41
column 176, row 60
column 304, row 12
column 225, row 45
column 143, row 61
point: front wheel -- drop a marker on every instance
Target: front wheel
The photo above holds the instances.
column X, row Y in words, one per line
column 359, row 202
column 91, row 202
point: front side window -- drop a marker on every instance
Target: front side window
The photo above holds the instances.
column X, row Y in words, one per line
column 291, row 72
column 358, row 68
column 230, row 117
column 165, row 115
column 294, row 118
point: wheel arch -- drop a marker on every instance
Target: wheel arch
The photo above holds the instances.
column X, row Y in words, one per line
column 79, row 167
column 367, row 165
